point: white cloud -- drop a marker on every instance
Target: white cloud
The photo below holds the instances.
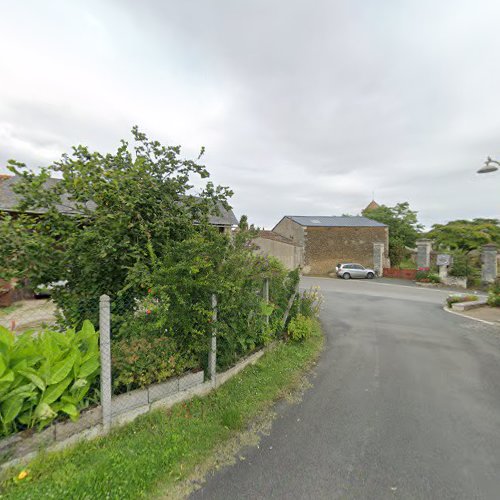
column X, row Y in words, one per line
column 303, row 107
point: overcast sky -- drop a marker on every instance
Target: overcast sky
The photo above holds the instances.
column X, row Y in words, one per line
column 304, row 107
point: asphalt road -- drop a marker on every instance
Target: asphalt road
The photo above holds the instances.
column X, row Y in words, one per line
column 405, row 404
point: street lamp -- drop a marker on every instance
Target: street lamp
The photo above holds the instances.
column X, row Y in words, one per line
column 489, row 166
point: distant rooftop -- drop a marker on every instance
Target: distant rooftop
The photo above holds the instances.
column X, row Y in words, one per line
column 9, row 201
column 271, row 235
column 372, row 205
column 334, row 221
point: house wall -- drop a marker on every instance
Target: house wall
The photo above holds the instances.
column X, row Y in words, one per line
column 291, row 230
column 327, row 246
column 289, row 255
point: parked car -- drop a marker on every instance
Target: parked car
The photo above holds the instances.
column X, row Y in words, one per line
column 348, row 271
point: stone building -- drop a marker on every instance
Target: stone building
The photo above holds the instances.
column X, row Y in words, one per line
column 288, row 252
column 328, row 240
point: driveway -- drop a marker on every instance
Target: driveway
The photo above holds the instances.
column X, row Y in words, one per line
column 405, row 404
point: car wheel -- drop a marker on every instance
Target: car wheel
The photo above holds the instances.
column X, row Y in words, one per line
column 370, row 276
column 346, row 276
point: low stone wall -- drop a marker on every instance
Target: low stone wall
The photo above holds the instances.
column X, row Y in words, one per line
column 454, row 281
column 25, row 445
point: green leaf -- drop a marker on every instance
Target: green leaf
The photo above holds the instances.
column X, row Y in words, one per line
column 6, row 337
column 31, row 375
column 8, row 376
column 55, row 391
column 70, row 410
column 89, row 367
column 21, row 392
column 87, row 328
column 10, row 408
column 3, row 365
column 79, row 383
column 62, row 368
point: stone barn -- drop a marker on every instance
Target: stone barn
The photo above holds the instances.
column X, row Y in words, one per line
column 329, row 240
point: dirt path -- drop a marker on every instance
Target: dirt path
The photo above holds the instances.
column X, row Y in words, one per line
column 27, row 314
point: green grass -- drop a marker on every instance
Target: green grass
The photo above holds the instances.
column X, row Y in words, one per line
column 159, row 449
column 7, row 310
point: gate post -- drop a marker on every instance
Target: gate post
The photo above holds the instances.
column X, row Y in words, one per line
column 489, row 263
column 378, row 258
column 424, row 247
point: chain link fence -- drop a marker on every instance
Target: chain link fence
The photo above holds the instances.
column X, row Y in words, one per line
column 158, row 344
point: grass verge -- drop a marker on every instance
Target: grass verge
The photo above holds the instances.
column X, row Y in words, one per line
column 159, row 450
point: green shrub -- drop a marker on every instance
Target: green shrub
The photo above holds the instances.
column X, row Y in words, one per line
column 494, row 295
column 142, row 361
column 453, row 299
column 434, row 278
column 310, row 303
column 465, row 265
column 45, row 375
column 422, row 276
column 407, row 263
column 175, row 306
column 300, row 328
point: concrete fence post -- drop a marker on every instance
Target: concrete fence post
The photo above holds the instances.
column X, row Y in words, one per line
column 489, row 263
column 105, row 350
column 265, row 293
column 378, row 258
column 212, row 359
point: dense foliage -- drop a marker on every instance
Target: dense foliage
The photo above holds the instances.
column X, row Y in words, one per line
column 465, row 235
column 45, row 375
column 128, row 225
column 172, row 318
column 403, row 226
column 494, row 295
column 426, row 276
column 94, row 226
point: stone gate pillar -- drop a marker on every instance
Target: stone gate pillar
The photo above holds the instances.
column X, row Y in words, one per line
column 424, row 247
column 378, row 258
column 489, row 263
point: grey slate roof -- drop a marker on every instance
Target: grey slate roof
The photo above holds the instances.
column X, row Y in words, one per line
column 226, row 218
column 9, row 201
column 334, row 221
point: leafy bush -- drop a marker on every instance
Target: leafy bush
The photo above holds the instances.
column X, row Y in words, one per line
column 175, row 306
column 434, row 278
column 424, row 275
column 453, row 299
column 46, row 375
column 494, row 295
column 300, row 328
column 466, row 265
column 310, row 303
column 141, row 362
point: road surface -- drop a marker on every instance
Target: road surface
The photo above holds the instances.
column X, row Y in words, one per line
column 405, row 404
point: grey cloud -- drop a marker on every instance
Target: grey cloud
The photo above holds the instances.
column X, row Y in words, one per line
column 304, row 107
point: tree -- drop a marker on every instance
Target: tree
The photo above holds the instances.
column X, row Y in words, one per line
column 106, row 218
column 243, row 224
column 403, row 224
column 465, row 235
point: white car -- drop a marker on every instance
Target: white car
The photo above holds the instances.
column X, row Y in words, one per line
column 348, row 271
